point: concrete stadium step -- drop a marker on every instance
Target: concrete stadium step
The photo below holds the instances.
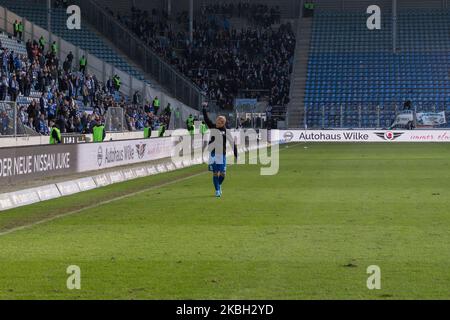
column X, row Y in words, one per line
column 298, row 80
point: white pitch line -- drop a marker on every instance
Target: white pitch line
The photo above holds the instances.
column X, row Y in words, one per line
column 97, row 205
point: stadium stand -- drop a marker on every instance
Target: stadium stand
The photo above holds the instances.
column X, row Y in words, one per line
column 354, row 78
column 85, row 38
column 240, row 49
column 43, row 95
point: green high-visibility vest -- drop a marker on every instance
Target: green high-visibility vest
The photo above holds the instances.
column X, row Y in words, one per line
column 156, row 102
column 161, row 131
column 20, row 27
column 58, row 132
column 83, row 61
column 203, row 128
column 16, row 26
column 147, row 133
column 42, row 42
column 190, row 125
column 54, row 48
column 97, row 133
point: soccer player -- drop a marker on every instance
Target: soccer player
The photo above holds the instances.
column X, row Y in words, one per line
column 217, row 160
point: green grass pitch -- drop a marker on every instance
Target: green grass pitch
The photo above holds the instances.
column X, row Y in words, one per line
column 309, row 232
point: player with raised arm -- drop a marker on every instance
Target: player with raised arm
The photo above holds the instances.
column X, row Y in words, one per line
column 217, row 160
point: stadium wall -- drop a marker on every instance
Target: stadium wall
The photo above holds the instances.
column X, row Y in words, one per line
column 30, row 162
column 21, row 141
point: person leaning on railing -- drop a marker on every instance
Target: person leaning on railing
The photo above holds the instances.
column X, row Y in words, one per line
column 147, row 130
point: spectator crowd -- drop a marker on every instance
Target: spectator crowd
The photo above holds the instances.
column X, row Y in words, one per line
column 257, row 14
column 65, row 95
column 226, row 63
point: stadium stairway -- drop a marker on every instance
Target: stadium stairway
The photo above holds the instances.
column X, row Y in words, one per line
column 298, row 78
column 86, row 38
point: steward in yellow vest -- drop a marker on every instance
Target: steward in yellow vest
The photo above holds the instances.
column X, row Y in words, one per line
column 98, row 132
column 55, row 135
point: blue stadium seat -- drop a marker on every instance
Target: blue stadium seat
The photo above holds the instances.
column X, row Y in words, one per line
column 349, row 64
column 84, row 38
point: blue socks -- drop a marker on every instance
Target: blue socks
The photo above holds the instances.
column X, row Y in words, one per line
column 216, row 183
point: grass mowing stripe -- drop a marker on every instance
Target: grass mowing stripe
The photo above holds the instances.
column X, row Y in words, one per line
column 310, row 231
column 45, row 220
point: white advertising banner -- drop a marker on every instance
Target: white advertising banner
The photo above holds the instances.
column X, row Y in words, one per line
column 96, row 156
column 288, row 136
column 48, row 192
column 431, row 118
column 403, row 118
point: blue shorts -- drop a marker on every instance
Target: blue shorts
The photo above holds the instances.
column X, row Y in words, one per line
column 217, row 163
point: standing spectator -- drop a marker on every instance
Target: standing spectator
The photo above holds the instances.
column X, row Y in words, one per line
column 137, row 98
column 66, row 65
column 83, row 64
column 156, row 104
column 54, row 48
column 5, row 123
column 20, row 31
column 98, row 132
column 13, row 88
column 41, row 126
column 3, row 88
column 116, row 82
column 16, row 28
column 110, row 86
column 42, row 43
column 70, row 59
column 55, row 134
column 33, row 111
